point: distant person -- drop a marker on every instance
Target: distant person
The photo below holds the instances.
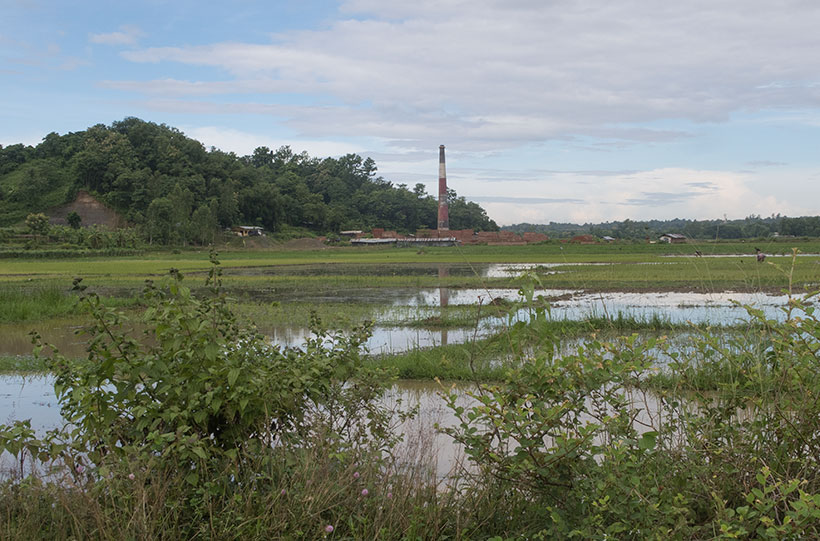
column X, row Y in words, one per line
column 698, row 253
column 761, row 257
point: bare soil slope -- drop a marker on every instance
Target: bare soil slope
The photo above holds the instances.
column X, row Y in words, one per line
column 90, row 209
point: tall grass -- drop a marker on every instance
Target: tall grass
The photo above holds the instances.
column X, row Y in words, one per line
column 39, row 301
column 30, row 303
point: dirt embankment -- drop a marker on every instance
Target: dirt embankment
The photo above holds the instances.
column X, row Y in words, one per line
column 90, row 209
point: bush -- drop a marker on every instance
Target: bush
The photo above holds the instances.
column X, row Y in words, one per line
column 201, row 410
column 588, row 439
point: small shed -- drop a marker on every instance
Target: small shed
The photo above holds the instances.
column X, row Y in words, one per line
column 672, row 238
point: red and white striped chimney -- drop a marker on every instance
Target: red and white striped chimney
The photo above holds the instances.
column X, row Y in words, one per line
column 443, row 212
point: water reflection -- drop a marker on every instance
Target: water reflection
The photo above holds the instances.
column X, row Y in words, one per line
column 444, row 298
column 672, row 307
column 33, row 398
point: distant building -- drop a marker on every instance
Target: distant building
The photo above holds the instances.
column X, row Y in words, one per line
column 247, row 231
column 672, row 238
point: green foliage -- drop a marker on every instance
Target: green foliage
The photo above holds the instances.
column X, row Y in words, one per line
column 202, row 429
column 751, row 227
column 201, row 404
column 37, row 223
column 177, row 192
column 585, row 437
column 74, row 220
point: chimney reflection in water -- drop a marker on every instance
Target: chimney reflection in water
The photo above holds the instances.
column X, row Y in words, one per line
column 444, row 299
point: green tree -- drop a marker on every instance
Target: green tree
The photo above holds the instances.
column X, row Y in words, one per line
column 37, row 223
column 160, row 220
column 74, row 220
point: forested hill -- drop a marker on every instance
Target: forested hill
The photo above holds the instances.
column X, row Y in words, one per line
column 173, row 189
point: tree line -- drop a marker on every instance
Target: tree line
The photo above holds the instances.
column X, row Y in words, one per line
column 749, row 227
column 174, row 190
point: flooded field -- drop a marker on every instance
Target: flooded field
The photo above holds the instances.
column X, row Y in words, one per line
column 391, row 336
column 395, row 306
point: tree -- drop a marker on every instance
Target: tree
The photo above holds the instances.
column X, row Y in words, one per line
column 74, row 220
column 37, row 224
column 160, row 218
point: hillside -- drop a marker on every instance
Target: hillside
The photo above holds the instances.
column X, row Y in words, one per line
column 172, row 189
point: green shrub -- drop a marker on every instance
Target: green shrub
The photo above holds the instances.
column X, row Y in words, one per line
column 583, row 447
column 201, row 408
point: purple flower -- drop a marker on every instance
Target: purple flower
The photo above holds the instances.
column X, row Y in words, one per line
column 355, row 475
column 389, row 494
column 131, row 476
column 282, row 492
column 365, row 492
column 329, row 528
column 80, row 468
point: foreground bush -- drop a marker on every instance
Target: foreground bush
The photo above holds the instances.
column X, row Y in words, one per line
column 583, row 446
column 196, row 424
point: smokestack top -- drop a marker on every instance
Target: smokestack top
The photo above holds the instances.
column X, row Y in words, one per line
column 441, row 146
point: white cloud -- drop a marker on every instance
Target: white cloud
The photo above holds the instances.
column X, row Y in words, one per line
column 656, row 194
column 488, row 77
column 244, row 143
column 494, row 74
column 127, row 35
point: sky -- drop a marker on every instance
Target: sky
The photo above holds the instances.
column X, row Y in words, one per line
column 550, row 110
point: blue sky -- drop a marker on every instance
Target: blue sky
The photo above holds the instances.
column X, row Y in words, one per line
column 560, row 110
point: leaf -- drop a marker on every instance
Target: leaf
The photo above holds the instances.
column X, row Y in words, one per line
column 233, row 375
column 211, row 351
column 648, row 441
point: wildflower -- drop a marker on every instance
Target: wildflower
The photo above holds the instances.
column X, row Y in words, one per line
column 365, row 492
column 389, row 494
column 131, row 476
column 282, row 492
column 80, row 468
column 329, row 528
column 355, row 475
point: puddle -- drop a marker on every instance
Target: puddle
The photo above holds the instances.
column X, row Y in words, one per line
column 29, row 397
column 676, row 307
column 386, row 339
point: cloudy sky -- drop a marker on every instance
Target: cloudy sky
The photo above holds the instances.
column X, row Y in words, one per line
column 551, row 110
